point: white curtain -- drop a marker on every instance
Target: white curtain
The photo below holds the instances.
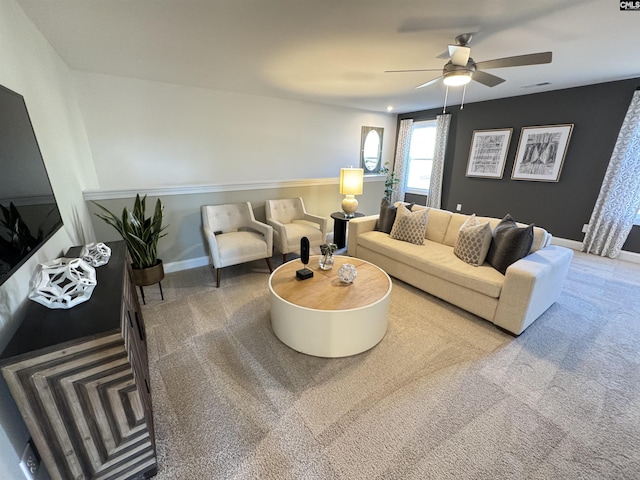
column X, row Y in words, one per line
column 401, row 162
column 619, row 196
column 434, row 199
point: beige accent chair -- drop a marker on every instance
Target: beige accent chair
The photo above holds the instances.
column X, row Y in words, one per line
column 291, row 222
column 234, row 236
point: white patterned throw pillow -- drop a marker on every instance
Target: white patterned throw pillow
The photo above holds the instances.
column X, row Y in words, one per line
column 410, row 226
column 474, row 240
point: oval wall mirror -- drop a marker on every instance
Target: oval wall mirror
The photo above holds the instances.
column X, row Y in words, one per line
column 371, row 149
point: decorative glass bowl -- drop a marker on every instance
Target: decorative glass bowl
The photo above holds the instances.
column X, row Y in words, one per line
column 347, row 273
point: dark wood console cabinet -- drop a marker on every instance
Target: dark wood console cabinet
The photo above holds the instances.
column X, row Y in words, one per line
column 80, row 378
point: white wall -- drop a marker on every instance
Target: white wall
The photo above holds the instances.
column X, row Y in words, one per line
column 146, row 134
column 30, row 67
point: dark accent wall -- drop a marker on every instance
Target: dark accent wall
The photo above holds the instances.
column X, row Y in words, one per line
column 562, row 207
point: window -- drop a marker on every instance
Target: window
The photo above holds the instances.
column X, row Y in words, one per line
column 423, row 144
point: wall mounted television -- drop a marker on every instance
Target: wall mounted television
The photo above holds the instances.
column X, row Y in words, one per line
column 29, row 214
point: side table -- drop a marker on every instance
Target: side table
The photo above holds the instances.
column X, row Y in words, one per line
column 340, row 227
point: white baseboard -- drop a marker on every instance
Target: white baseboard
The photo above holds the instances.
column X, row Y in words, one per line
column 575, row 245
column 563, row 242
column 202, row 261
column 629, row 256
column 186, row 264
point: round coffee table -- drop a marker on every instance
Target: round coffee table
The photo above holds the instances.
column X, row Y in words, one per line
column 324, row 317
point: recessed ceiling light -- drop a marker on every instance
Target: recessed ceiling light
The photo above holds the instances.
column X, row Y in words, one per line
column 389, row 108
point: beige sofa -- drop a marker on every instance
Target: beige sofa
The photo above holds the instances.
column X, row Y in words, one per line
column 511, row 301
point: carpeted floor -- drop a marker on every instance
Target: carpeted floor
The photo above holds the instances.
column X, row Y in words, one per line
column 444, row 395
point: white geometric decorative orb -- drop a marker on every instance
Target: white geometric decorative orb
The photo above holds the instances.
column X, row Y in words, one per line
column 347, row 273
column 96, row 254
column 63, row 283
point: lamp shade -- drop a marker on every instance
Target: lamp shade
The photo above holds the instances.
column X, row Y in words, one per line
column 351, row 180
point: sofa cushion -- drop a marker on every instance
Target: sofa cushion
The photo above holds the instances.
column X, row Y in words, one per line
column 387, row 216
column 409, row 226
column 474, row 240
column 298, row 229
column 510, row 243
column 436, row 259
column 457, row 219
column 240, row 247
column 437, row 224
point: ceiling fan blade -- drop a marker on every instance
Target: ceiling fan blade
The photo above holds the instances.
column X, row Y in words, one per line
column 430, row 82
column 459, row 54
column 486, row 78
column 462, row 40
column 422, row 70
column 517, row 61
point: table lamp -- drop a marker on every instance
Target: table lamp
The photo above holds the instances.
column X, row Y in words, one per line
column 351, row 180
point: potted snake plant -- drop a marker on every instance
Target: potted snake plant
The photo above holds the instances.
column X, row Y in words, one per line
column 141, row 235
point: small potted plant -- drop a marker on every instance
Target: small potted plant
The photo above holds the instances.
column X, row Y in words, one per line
column 141, row 235
column 390, row 182
column 326, row 260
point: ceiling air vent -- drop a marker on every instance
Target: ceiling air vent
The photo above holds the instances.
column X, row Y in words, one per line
column 534, row 85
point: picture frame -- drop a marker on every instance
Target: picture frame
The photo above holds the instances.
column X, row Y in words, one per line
column 371, row 150
column 488, row 153
column 541, row 152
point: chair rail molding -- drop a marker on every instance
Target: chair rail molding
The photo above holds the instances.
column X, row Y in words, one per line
column 105, row 194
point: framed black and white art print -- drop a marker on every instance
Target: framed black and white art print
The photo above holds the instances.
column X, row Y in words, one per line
column 541, row 153
column 488, row 153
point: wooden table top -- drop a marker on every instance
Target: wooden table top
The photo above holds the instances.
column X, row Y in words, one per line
column 325, row 291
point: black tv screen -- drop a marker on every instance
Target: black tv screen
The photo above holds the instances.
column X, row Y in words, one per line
column 29, row 214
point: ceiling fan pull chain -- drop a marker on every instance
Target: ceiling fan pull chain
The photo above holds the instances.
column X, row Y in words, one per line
column 446, row 94
column 464, row 90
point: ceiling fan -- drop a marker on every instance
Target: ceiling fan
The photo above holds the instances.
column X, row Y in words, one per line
column 461, row 68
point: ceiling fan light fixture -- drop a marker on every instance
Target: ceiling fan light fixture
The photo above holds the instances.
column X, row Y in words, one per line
column 456, row 78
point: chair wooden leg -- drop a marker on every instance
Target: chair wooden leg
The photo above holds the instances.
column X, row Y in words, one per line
column 284, row 258
column 269, row 264
column 218, row 274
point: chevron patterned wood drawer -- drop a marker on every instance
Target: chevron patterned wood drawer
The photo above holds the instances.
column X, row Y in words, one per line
column 87, row 400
